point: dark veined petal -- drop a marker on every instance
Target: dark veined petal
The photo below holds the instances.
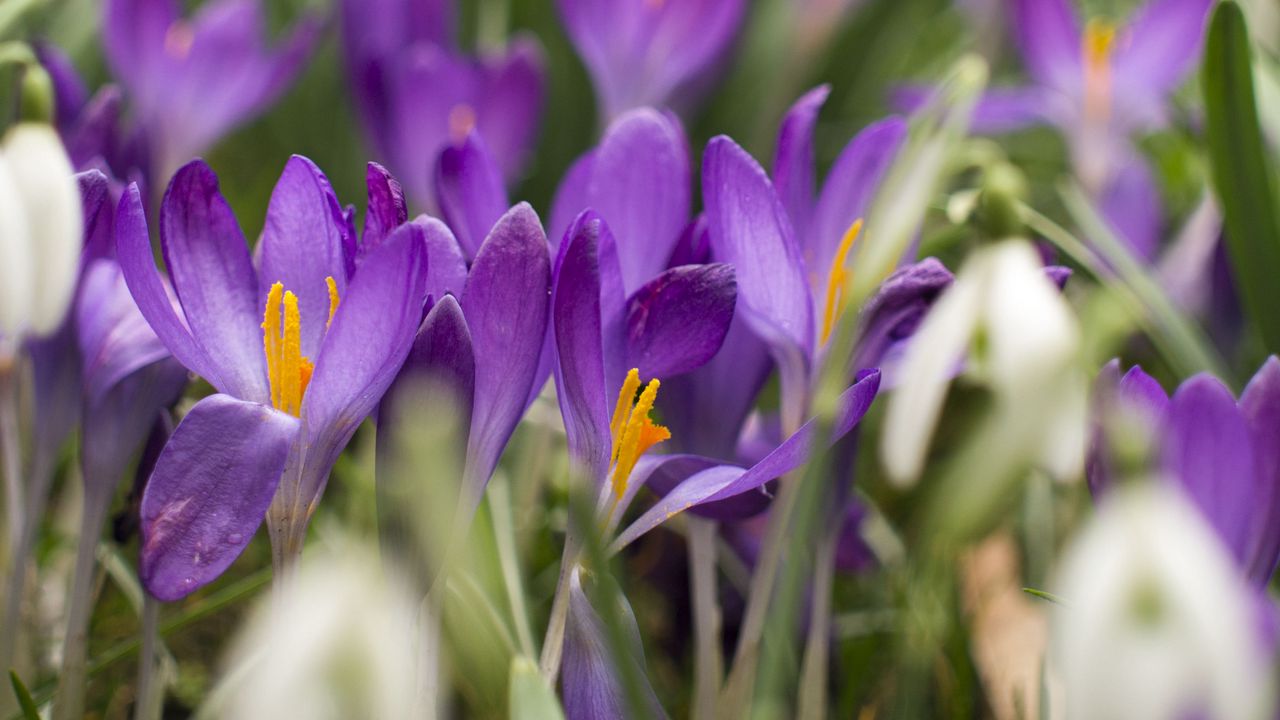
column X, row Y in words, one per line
column 209, row 492
column 724, row 482
column 209, row 266
column 386, row 208
column 749, row 230
column 469, row 191
column 592, row 688
column 1208, row 451
column 678, row 320
column 506, row 305
column 302, row 245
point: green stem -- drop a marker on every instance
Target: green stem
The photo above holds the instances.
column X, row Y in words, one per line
column 504, row 536
column 149, row 698
column 69, row 702
column 708, row 664
column 813, row 673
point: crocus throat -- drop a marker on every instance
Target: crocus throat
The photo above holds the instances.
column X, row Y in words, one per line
column 1097, row 46
column 634, row 432
column 837, row 277
column 288, row 371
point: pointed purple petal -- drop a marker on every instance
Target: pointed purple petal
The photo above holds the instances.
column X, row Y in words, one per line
column 387, row 210
column 1260, row 404
column 727, row 481
column 469, row 191
column 749, row 230
column 302, row 245
column 678, row 320
column 505, row 303
column 133, row 38
column 793, row 173
column 580, row 378
column 1142, row 392
column 366, row 344
column 209, row 492
column 115, row 339
column 99, row 216
column 446, row 265
column 148, row 290
column 1048, row 35
column 1208, row 451
column 510, row 103
column 209, row 265
column 441, row 361
column 1160, row 46
column 119, row 418
column 893, row 313
column 573, row 195
column 640, row 186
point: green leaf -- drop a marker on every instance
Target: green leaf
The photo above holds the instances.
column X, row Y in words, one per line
column 531, row 699
column 29, row 709
column 1043, row 595
column 1240, row 171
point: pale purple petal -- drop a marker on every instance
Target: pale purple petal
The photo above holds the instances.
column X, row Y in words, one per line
column 209, row 492
column 1160, row 46
column 749, row 230
column 793, row 172
column 1048, row 34
column 510, row 103
column 571, row 198
column 446, row 265
column 209, row 266
column 1208, row 451
column 469, row 191
column 678, row 320
column 133, row 40
column 133, row 245
column 119, row 418
column 640, row 186
column 1260, row 404
column 999, row 109
column 303, row 244
column 580, row 372
column 115, row 339
column 1131, row 205
column 506, row 305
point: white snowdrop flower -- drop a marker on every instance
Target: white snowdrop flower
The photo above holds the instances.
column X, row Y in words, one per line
column 1157, row 621
column 41, row 231
column 1011, row 329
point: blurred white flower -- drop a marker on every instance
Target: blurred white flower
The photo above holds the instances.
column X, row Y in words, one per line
column 1157, row 623
column 339, row 640
column 41, row 231
column 1008, row 324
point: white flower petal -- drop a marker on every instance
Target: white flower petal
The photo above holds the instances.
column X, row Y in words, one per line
column 15, row 248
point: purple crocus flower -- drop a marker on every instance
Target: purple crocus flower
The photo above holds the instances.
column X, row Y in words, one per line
column 1100, row 85
column 416, row 93
column 271, row 434
column 190, row 81
column 1220, row 451
column 647, row 53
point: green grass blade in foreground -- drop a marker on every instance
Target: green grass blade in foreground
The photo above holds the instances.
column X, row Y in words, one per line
column 29, row 709
column 1240, row 171
column 531, row 699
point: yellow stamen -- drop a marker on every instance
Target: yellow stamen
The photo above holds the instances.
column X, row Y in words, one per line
column 639, row 434
column 836, row 279
column 291, row 356
column 271, row 340
column 1097, row 46
column 622, row 410
column 333, row 299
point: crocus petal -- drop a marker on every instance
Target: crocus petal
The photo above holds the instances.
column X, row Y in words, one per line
column 507, row 110
column 749, row 230
column 442, row 359
column 55, row 375
column 446, row 264
column 99, row 216
column 793, row 173
column 118, row 419
column 213, row 277
column 849, row 187
column 678, row 320
column 115, row 339
column 592, row 688
column 469, row 191
column 1260, row 404
column 44, row 229
column 387, row 209
column 1143, row 393
column 1131, row 204
column 893, row 313
column 209, row 492
column 580, row 373
column 1208, row 450
column 505, row 302
column 640, row 186
column 366, row 344
column 1160, row 46
column 573, row 195
column 1048, row 35
column 303, row 244
column 133, row 246
column 723, row 482
column 69, row 92
column 133, row 39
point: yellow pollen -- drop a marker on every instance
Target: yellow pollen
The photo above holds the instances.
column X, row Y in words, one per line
column 333, row 299
column 1097, row 46
column 462, row 118
column 288, row 370
column 634, row 432
column 178, row 40
column 836, row 279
